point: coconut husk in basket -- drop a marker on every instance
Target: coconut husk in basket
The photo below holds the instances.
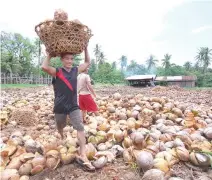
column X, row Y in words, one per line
column 63, row 36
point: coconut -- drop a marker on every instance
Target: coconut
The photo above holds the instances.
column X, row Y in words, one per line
column 60, row 15
column 153, row 174
column 144, row 160
column 25, row 169
column 100, row 162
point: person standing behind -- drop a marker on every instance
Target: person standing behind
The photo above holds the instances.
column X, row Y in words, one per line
column 85, row 89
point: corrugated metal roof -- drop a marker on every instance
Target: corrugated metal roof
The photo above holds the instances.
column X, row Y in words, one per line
column 141, row 77
column 162, row 78
column 176, row 78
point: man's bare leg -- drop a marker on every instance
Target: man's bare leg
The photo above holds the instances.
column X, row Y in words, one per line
column 84, row 113
column 60, row 123
column 76, row 120
column 82, row 143
column 96, row 113
column 61, row 133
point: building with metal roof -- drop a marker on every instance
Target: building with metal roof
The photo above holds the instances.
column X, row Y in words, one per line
column 141, row 80
column 140, row 77
column 146, row 80
column 182, row 81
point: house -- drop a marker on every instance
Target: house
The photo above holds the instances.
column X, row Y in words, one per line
column 151, row 80
column 182, row 81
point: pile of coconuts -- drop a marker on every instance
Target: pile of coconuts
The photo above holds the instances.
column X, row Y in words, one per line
column 154, row 133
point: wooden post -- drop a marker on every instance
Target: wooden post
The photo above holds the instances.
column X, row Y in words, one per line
column 3, row 78
column 39, row 54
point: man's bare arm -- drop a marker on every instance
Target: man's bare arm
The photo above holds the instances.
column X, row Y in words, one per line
column 85, row 65
column 47, row 68
column 91, row 88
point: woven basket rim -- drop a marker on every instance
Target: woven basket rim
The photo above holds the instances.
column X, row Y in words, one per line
column 65, row 21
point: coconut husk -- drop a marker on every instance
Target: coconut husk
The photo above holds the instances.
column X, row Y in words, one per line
column 24, row 117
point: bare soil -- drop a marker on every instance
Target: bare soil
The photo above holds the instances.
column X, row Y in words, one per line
column 116, row 171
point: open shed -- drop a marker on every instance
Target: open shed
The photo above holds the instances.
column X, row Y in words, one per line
column 141, row 80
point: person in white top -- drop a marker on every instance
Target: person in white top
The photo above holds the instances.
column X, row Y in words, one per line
column 85, row 89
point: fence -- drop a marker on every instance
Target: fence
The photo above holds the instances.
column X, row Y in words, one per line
column 15, row 79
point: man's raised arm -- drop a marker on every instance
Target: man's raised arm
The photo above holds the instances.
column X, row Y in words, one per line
column 85, row 65
column 47, row 68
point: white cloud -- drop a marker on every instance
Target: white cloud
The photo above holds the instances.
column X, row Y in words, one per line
column 201, row 29
column 120, row 27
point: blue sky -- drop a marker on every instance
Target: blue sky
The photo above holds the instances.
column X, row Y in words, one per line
column 186, row 28
column 135, row 28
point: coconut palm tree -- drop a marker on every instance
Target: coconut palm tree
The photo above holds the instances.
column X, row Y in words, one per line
column 114, row 65
column 197, row 66
column 188, row 65
column 101, row 58
column 133, row 64
column 151, row 62
column 204, row 57
column 123, row 61
column 97, row 51
column 166, row 61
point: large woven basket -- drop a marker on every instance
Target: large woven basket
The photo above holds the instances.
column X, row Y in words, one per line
column 63, row 36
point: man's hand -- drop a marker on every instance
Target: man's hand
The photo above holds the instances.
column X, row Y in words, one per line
column 49, row 56
column 94, row 96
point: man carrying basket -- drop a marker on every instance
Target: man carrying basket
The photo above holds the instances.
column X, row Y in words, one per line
column 65, row 103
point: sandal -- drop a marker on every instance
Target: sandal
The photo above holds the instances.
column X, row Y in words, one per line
column 86, row 165
column 86, row 120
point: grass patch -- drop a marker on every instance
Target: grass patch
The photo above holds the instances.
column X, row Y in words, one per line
column 7, row 86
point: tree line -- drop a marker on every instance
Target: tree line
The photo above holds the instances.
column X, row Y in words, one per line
column 22, row 56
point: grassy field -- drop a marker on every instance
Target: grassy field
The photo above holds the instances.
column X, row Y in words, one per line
column 6, row 86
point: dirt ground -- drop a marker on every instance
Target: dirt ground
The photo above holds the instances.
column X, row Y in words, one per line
column 116, row 171
column 119, row 170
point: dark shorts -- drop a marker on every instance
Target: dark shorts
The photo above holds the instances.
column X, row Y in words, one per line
column 75, row 117
column 86, row 103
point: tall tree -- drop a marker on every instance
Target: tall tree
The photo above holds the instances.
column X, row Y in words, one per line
column 92, row 68
column 166, row 61
column 123, row 61
column 114, row 65
column 97, row 51
column 18, row 50
column 9, row 64
column 197, row 66
column 204, row 57
column 101, row 58
column 151, row 62
column 132, row 65
column 187, row 65
column 135, row 69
